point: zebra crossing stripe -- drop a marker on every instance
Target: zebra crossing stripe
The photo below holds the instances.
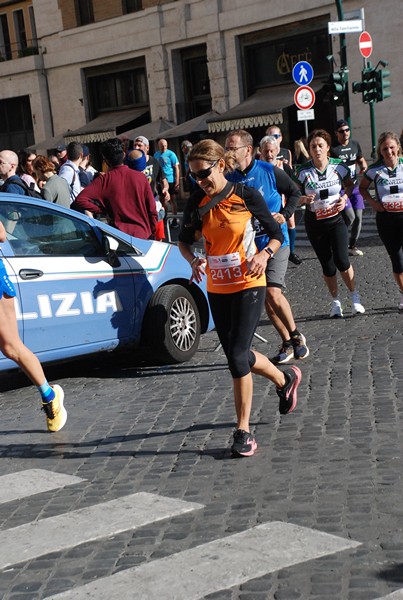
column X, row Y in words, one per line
column 398, row 595
column 217, row 565
column 58, row 533
column 32, row 481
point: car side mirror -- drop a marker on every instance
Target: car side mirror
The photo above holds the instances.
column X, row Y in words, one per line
column 110, row 246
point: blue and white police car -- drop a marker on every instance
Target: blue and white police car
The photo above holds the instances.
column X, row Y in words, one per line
column 84, row 286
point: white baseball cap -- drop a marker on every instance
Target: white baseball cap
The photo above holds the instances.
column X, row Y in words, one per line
column 144, row 140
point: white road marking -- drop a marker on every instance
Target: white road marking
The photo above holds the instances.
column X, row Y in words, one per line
column 398, row 595
column 217, row 565
column 87, row 524
column 32, row 481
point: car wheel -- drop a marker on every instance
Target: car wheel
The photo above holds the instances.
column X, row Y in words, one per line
column 172, row 324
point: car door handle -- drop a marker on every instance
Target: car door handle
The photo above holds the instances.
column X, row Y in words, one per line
column 30, row 273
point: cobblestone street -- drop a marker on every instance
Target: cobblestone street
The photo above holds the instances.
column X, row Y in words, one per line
column 333, row 466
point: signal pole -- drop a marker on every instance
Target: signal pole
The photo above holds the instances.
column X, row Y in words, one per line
column 343, row 63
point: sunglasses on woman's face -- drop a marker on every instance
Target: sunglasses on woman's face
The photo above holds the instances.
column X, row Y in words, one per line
column 203, row 173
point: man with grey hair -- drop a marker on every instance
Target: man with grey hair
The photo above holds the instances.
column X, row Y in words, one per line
column 269, row 148
column 283, row 161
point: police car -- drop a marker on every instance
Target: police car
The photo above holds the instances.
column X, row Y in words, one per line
column 84, row 286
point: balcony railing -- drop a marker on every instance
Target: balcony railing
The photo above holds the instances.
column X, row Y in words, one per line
column 19, row 50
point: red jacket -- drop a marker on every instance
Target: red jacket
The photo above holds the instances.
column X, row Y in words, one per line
column 126, row 197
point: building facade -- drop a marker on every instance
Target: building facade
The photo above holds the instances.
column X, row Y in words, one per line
column 87, row 69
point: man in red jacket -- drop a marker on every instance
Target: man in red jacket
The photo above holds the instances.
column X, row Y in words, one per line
column 124, row 195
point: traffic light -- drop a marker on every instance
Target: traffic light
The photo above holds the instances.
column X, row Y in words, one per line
column 336, row 86
column 367, row 86
column 381, row 84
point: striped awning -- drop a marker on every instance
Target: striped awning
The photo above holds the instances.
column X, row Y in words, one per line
column 105, row 126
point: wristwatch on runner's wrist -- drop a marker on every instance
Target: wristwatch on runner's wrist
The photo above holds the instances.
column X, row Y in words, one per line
column 269, row 251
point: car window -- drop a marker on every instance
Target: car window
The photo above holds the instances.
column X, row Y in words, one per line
column 37, row 231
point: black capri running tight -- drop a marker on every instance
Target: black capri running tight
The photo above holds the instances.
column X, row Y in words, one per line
column 390, row 229
column 329, row 239
column 236, row 317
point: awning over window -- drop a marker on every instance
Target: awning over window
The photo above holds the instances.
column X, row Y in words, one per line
column 195, row 125
column 151, row 131
column 48, row 144
column 262, row 109
column 105, row 126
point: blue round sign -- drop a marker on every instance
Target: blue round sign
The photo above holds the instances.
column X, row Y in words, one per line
column 302, row 73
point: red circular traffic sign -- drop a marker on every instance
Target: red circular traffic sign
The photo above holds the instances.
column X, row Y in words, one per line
column 365, row 43
column 304, row 97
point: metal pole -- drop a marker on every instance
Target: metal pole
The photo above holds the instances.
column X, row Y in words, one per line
column 373, row 129
column 343, row 63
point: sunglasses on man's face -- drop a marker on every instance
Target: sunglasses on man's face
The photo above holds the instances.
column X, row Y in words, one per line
column 346, row 130
column 203, row 173
column 276, row 135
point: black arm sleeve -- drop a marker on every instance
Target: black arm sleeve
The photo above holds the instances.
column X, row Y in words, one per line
column 286, row 186
column 257, row 206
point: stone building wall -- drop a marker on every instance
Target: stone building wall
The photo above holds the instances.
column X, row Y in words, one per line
column 162, row 29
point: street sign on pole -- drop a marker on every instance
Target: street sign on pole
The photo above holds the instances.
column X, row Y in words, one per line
column 365, row 44
column 335, row 27
column 302, row 73
column 306, row 115
column 304, row 97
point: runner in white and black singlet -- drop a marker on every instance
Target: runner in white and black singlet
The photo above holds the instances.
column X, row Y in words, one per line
column 350, row 152
column 322, row 181
column 387, row 176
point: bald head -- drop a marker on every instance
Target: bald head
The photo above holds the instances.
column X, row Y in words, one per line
column 8, row 163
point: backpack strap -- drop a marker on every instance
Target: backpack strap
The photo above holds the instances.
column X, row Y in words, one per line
column 202, row 210
column 20, row 184
column 72, row 181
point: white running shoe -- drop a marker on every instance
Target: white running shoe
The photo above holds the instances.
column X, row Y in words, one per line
column 336, row 312
column 401, row 302
column 358, row 308
column 355, row 252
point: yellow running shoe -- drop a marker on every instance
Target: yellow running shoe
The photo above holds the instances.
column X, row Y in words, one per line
column 56, row 414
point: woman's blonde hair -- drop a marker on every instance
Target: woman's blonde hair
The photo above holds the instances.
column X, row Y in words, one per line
column 383, row 137
column 211, row 151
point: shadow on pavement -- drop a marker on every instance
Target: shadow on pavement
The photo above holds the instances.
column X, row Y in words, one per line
column 71, row 450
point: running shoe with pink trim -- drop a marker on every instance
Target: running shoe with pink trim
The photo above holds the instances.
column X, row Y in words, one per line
column 288, row 393
column 244, row 444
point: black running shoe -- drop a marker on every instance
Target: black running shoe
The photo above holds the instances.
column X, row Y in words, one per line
column 294, row 258
column 288, row 393
column 244, row 443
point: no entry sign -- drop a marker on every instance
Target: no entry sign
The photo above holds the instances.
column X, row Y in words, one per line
column 365, row 44
column 304, row 97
